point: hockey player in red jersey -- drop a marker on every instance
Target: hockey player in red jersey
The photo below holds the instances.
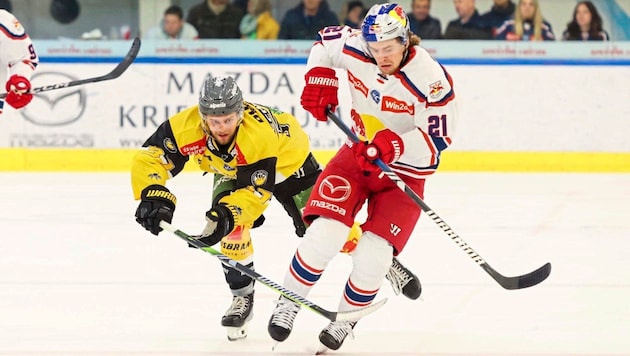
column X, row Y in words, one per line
column 404, row 109
column 18, row 58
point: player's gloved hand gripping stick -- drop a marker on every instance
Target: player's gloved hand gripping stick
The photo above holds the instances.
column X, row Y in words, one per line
column 517, row 282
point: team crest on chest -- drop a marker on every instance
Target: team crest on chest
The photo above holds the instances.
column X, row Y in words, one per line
column 375, row 95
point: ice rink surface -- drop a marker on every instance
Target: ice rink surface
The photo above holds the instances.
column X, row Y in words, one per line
column 78, row 276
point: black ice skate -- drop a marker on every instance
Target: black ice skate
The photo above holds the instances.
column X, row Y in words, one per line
column 402, row 279
column 238, row 316
column 281, row 321
column 335, row 333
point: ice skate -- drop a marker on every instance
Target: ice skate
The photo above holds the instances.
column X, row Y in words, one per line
column 403, row 280
column 334, row 334
column 238, row 316
column 281, row 321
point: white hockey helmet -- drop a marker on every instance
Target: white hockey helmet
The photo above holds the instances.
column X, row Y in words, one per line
column 384, row 22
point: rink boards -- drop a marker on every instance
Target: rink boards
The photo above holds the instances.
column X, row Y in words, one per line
column 521, row 109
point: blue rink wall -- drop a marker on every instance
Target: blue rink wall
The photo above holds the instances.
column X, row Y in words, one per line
column 524, row 107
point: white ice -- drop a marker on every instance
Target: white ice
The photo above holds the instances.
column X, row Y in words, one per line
column 78, row 276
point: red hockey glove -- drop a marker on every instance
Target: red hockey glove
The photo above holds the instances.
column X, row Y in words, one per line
column 386, row 145
column 320, row 92
column 17, row 91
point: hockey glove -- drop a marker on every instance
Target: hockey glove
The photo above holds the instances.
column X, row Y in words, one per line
column 219, row 223
column 386, row 145
column 18, row 95
column 157, row 204
column 320, row 92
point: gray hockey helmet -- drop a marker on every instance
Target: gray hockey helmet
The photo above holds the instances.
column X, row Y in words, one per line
column 220, row 96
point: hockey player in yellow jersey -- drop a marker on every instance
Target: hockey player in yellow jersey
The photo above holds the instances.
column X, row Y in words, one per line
column 255, row 152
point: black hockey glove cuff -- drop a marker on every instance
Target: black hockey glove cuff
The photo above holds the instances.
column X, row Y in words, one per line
column 220, row 222
column 157, row 204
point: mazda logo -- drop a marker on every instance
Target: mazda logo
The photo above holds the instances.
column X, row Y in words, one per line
column 55, row 107
column 335, row 188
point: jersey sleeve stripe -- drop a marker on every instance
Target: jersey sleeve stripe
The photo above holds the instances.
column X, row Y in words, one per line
column 407, row 83
column 12, row 35
column 357, row 54
column 30, row 64
column 440, row 142
column 432, row 147
column 412, row 171
column 449, row 96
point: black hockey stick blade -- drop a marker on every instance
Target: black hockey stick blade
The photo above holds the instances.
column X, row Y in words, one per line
column 518, row 282
column 115, row 73
column 352, row 315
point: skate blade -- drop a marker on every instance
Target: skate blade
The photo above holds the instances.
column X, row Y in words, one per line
column 236, row 333
column 321, row 349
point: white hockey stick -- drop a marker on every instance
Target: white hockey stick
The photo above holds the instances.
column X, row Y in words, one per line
column 115, row 73
column 352, row 315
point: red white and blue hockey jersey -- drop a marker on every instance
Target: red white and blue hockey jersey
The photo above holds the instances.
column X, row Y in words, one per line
column 17, row 53
column 417, row 102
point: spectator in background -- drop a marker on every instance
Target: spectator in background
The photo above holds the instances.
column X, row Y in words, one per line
column 587, row 25
column 354, row 12
column 216, row 19
column 241, row 4
column 6, row 4
column 306, row 19
column 528, row 24
column 172, row 27
column 501, row 11
column 422, row 23
column 469, row 25
column 258, row 24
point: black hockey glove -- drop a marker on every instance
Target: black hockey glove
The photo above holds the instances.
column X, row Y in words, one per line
column 220, row 222
column 157, row 204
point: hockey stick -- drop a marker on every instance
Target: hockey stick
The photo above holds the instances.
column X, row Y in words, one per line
column 115, row 73
column 517, row 282
column 352, row 315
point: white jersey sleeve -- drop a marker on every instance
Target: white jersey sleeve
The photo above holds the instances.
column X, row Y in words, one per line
column 329, row 46
column 17, row 54
column 436, row 110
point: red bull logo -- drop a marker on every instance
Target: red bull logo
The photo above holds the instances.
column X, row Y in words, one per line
column 435, row 89
column 375, row 28
column 399, row 14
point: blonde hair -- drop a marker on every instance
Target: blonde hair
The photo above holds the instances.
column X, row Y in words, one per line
column 414, row 39
column 537, row 21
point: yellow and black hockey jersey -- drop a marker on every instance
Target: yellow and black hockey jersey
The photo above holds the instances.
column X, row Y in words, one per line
column 269, row 147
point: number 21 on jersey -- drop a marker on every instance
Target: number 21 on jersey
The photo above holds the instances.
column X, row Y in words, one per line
column 437, row 125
